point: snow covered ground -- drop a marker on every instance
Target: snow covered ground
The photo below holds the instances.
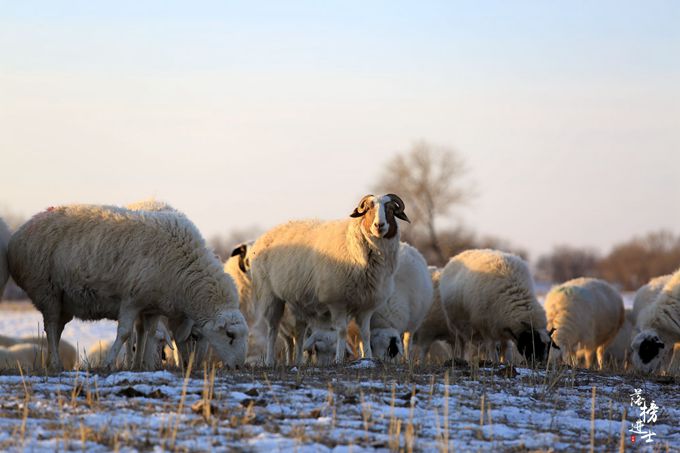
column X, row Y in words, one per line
column 365, row 405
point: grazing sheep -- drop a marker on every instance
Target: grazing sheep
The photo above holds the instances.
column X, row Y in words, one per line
column 68, row 354
column 342, row 268
column 95, row 357
column 586, row 314
column 95, row 262
column 406, row 308
column 434, row 326
column 646, row 295
column 619, row 349
column 27, row 355
column 659, row 326
column 4, row 269
column 403, row 312
column 488, row 297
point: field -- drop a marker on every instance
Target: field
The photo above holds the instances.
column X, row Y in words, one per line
column 363, row 405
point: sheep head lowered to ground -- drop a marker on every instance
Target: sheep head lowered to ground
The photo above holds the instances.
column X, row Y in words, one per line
column 342, row 267
column 659, row 326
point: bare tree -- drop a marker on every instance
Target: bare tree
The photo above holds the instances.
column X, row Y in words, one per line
column 634, row 262
column 566, row 262
column 428, row 179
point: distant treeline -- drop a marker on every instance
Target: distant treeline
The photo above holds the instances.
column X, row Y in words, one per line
column 629, row 264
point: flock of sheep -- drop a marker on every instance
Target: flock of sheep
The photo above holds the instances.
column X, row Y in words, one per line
column 309, row 290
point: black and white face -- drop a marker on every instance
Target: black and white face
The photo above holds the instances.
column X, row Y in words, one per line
column 533, row 345
column 379, row 215
column 649, row 351
column 386, row 344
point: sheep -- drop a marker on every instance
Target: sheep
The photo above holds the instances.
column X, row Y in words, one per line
column 406, row 308
column 94, row 262
column 488, row 296
column 659, row 328
column 403, row 312
column 586, row 314
column 434, row 327
column 28, row 356
column 4, row 269
column 646, row 295
column 619, row 350
column 329, row 271
column 68, row 354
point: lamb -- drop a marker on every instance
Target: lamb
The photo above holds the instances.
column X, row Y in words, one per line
column 646, row 295
column 28, row 356
column 586, row 314
column 659, row 326
column 434, row 326
column 4, row 269
column 68, row 354
column 406, row 308
column 342, row 268
column 488, row 297
column 94, row 262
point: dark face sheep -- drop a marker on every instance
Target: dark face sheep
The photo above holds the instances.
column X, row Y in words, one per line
column 649, row 351
column 533, row 345
column 386, row 343
column 380, row 214
column 243, row 261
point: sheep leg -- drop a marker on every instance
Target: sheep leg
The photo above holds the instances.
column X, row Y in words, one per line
column 134, row 346
column 126, row 321
column 54, row 325
column 299, row 338
column 600, row 357
column 273, row 312
column 364, row 322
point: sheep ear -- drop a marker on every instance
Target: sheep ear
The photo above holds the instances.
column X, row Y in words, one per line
column 239, row 251
column 511, row 333
column 357, row 213
column 184, row 330
column 402, row 216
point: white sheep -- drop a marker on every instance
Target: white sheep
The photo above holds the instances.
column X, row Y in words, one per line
column 488, row 297
column 659, row 326
column 94, row 262
column 4, row 269
column 27, row 355
column 406, row 308
column 586, row 314
column 619, row 349
column 646, row 295
column 68, row 354
column 434, row 327
column 343, row 269
column 402, row 313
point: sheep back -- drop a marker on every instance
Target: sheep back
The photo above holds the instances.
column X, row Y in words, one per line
column 490, row 294
column 411, row 300
column 586, row 313
column 96, row 256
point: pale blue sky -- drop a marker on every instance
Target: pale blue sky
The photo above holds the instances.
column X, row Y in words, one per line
column 568, row 113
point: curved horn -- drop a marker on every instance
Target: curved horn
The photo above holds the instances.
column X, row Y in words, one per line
column 399, row 212
column 361, row 208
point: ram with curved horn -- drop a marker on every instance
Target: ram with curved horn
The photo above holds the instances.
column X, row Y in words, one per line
column 329, row 271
